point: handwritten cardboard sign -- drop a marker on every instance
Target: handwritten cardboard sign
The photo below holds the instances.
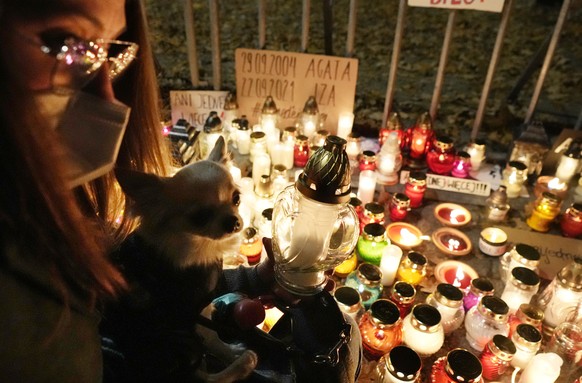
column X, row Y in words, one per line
column 459, row 185
column 477, row 5
column 290, row 78
column 556, row 251
column 195, row 105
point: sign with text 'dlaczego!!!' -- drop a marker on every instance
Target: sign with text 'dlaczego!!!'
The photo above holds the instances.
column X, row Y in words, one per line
column 291, row 78
column 476, row 5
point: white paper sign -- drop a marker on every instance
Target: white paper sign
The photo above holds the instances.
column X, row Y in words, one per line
column 476, row 5
column 195, row 105
column 454, row 184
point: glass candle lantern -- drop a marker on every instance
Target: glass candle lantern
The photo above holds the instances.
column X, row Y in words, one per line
column 358, row 207
column 280, row 178
column 441, row 157
column 373, row 213
column 367, row 160
column 420, row 136
column 318, row 139
column 251, row 246
column 520, row 287
column 415, row 188
column 243, row 136
column 412, row 269
column 389, row 262
column 400, row 365
column 527, row 340
column 301, row 151
column 314, row 226
column 448, row 300
column 571, row 221
column 520, row 255
column 261, row 167
column 367, row 186
column 562, row 295
column 258, row 144
column 389, row 161
column 309, row 120
column 476, row 150
column 478, row 288
column 393, row 126
column 462, row 165
column 546, row 209
column 526, row 314
column 289, row 135
column 569, row 163
column 349, row 302
column 229, row 114
column 381, row 329
column 496, row 357
column 422, row 330
column 399, row 206
column 566, row 342
column 345, row 123
column 513, row 177
column 496, row 206
column 458, row 366
column 371, row 243
column 403, row 294
column 485, row 320
column 212, row 129
column 269, row 118
column 367, row 280
column 354, row 146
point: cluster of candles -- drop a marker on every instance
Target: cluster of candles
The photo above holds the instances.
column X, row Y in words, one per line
column 506, row 332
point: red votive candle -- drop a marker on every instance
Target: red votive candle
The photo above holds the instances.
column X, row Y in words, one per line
column 415, row 188
column 399, row 206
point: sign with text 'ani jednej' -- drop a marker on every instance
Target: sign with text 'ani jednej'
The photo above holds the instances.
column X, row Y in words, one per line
column 477, row 5
column 195, row 105
column 291, row 78
column 459, row 185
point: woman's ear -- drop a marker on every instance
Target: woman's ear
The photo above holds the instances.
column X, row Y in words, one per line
column 218, row 153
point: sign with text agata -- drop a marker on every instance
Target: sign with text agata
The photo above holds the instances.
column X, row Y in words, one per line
column 195, row 105
column 291, row 78
column 476, row 5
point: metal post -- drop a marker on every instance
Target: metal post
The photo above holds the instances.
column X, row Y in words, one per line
column 191, row 43
column 395, row 57
column 436, row 95
column 548, row 59
column 215, row 37
column 262, row 23
column 351, row 28
column 492, row 67
column 305, row 25
column 328, row 26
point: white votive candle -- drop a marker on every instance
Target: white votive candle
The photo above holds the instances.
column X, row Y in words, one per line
column 344, row 124
column 391, row 256
column 367, row 186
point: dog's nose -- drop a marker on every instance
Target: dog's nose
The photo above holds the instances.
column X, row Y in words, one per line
column 232, row 224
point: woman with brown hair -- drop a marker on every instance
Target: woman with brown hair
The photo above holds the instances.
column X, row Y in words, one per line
column 78, row 87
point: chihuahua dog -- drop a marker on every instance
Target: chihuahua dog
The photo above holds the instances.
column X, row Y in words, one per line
column 173, row 262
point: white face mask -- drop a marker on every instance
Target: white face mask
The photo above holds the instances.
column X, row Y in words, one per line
column 91, row 130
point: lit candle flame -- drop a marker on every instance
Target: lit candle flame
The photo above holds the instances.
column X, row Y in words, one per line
column 556, row 184
column 454, row 214
column 459, row 276
column 454, row 244
column 407, row 236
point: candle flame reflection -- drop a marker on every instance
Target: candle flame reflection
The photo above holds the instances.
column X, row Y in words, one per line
column 459, row 276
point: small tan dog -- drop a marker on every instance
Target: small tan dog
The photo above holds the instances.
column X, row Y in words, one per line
column 173, row 263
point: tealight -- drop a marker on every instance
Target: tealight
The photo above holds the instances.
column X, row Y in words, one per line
column 404, row 235
column 493, row 241
column 452, row 241
column 550, row 184
column 450, row 214
column 456, row 273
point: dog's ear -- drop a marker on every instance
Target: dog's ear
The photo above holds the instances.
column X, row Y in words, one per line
column 141, row 187
column 218, row 153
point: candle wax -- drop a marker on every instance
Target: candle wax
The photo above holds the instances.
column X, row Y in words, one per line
column 453, row 243
column 452, row 215
column 453, row 277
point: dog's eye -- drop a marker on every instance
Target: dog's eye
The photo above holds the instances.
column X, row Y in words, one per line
column 236, row 198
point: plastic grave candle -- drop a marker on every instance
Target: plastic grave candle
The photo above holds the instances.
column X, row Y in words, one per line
column 367, row 160
column 520, row 288
column 496, row 357
column 389, row 161
column 571, row 221
column 367, row 186
column 462, row 165
column 546, row 209
column 269, row 117
column 373, row 213
column 391, row 256
column 544, row 367
column 381, row 329
column 493, row 241
column 550, row 184
column 485, row 320
column 415, row 188
column 420, row 137
column 399, row 206
column 569, row 163
column 371, row 243
column 527, row 340
column 412, row 269
column 526, row 314
column 400, row 365
column 393, row 126
column 458, row 366
column 318, row 139
column 251, row 246
column 441, row 157
column 349, row 302
column 367, row 280
column 261, row 167
column 353, row 147
column 344, row 124
column 566, row 342
column 235, row 172
column 476, row 150
column 520, row 255
column 448, row 300
column 289, row 134
column 210, row 132
column 229, row 114
column 258, row 144
column 243, row 135
column 403, row 294
column 496, row 206
column 301, row 151
column 309, row 120
column 314, row 226
column 513, row 177
column 346, row 267
column 422, row 330
column 478, row 288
